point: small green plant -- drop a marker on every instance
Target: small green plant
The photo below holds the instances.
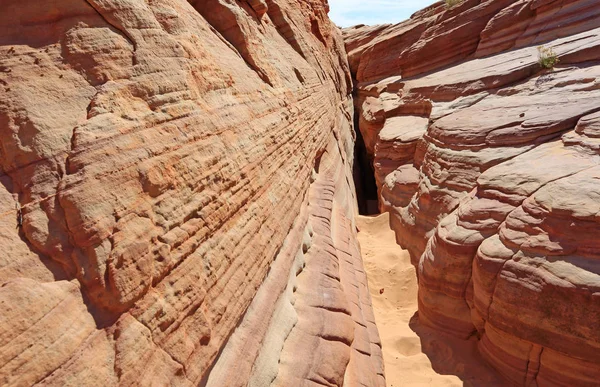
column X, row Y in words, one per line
column 452, row 3
column 547, row 57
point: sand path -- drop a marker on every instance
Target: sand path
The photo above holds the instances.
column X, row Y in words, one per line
column 414, row 355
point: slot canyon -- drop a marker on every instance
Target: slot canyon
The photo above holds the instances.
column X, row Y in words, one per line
column 235, row 193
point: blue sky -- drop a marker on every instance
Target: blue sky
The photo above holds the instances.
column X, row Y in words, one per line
column 346, row 13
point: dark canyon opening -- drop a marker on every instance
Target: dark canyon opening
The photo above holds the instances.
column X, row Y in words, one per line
column 364, row 175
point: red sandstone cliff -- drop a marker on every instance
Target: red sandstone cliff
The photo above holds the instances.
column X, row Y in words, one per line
column 177, row 199
column 177, row 204
column 490, row 167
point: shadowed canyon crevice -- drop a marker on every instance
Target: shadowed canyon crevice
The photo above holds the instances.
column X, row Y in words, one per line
column 364, row 175
column 181, row 182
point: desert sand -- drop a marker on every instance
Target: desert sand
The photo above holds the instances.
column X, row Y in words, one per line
column 414, row 355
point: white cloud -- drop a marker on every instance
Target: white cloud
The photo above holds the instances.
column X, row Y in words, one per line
column 346, row 13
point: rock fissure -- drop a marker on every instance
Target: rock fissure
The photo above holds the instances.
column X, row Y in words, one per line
column 97, row 7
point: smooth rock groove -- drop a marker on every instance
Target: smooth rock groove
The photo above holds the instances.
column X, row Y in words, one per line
column 489, row 166
column 177, row 204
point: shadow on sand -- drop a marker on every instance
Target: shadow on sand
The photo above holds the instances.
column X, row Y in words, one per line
column 451, row 355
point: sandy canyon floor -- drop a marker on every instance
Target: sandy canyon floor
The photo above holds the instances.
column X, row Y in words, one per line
column 413, row 354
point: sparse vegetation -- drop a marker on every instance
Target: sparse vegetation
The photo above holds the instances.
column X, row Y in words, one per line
column 547, row 57
column 452, row 3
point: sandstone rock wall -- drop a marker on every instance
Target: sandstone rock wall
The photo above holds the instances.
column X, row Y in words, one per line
column 490, row 167
column 177, row 201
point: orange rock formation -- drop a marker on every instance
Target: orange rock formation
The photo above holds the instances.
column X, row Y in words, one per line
column 177, row 198
column 490, row 167
column 178, row 206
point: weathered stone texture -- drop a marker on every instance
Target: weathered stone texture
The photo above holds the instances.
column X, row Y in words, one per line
column 177, row 203
column 492, row 176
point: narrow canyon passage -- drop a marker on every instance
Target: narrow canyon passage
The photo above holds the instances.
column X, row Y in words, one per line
column 177, row 203
column 414, row 355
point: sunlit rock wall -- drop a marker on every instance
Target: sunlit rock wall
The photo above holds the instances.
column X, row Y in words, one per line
column 490, row 167
column 177, row 203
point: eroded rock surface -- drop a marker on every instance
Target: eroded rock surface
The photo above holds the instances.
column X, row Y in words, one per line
column 489, row 165
column 177, row 199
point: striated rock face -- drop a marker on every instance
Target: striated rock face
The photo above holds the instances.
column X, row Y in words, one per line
column 177, row 204
column 490, row 167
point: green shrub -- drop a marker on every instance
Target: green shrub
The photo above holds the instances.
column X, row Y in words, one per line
column 452, row 3
column 547, row 57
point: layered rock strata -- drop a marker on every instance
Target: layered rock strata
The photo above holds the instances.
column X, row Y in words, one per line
column 177, row 197
column 490, row 167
